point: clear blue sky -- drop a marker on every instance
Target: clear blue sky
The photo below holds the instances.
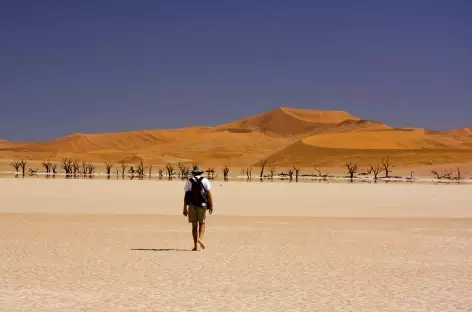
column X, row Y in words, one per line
column 96, row 66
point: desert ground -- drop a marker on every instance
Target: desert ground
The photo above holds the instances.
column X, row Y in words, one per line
column 120, row 245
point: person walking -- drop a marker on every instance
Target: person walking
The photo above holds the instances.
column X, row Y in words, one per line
column 197, row 200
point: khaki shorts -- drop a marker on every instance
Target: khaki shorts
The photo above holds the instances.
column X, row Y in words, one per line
column 196, row 214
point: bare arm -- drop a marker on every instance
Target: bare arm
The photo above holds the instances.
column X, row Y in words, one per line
column 185, row 211
column 210, row 201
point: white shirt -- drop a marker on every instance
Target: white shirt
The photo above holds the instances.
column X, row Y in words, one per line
column 206, row 184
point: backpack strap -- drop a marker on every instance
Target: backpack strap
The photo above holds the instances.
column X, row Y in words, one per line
column 193, row 180
column 199, row 181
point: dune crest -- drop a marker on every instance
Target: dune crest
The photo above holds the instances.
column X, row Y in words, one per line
column 284, row 135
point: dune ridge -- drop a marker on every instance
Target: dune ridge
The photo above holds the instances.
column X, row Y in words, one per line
column 284, row 135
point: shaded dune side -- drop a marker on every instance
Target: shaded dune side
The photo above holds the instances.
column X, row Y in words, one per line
column 302, row 154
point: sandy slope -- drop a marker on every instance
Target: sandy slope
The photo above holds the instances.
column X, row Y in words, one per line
column 97, row 253
column 284, row 121
column 285, row 135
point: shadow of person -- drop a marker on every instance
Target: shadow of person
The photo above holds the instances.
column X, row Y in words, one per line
column 159, row 249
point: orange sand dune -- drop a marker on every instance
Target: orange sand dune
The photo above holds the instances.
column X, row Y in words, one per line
column 285, row 121
column 462, row 132
column 391, row 139
column 132, row 140
column 283, row 135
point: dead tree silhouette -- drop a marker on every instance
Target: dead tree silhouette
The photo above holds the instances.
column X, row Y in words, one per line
column 108, row 167
column 262, row 164
column 150, row 171
column 297, row 172
column 225, row 172
column 32, row 172
column 123, row 168
column 47, row 166
column 248, row 173
column 375, row 170
column 446, row 175
column 66, row 164
column 75, row 167
column 321, row 175
column 170, row 170
column 352, row 169
column 53, row 169
column 84, row 166
column 290, row 174
column 140, row 169
column 210, row 173
column 91, row 169
column 272, row 172
column 386, row 166
column 16, row 165
column 131, row 171
column 184, row 171
column 161, row 173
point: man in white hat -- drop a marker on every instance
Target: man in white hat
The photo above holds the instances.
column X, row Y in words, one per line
column 196, row 202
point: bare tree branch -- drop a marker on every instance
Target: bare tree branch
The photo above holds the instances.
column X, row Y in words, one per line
column 262, row 164
column 108, row 167
column 386, row 166
column 170, row 170
column 375, row 170
column 352, row 169
column 123, row 168
column 225, row 172
column 290, row 173
column 297, row 172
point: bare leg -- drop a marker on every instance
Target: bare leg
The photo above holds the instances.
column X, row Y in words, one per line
column 201, row 234
column 195, row 234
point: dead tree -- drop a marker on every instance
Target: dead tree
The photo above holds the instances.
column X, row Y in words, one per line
column 352, row 169
column 91, row 169
column 290, row 174
column 248, row 173
column 47, row 166
column 272, row 172
column 75, row 167
column 321, row 175
column 150, row 171
column 53, row 168
column 210, row 173
column 297, row 172
column 458, row 176
column 375, row 170
column 16, row 164
column 131, row 171
column 225, row 172
column 123, row 168
column 184, row 171
column 386, row 166
column 108, row 167
column 170, row 170
column 446, row 175
column 84, row 168
column 262, row 165
column 23, row 164
column 161, row 173
column 140, row 169
column 66, row 164
column 32, row 172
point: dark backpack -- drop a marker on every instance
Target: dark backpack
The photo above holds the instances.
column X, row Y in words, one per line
column 197, row 195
